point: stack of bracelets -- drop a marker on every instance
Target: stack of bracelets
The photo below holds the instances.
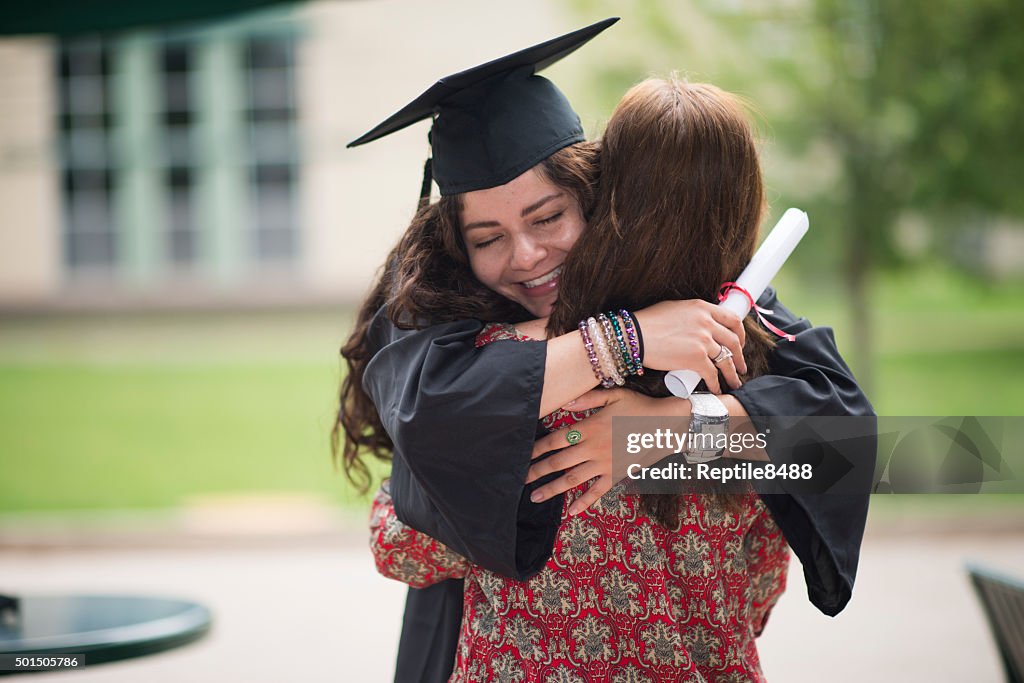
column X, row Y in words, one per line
column 614, row 346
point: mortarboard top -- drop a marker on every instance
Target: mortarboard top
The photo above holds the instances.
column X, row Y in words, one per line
column 497, row 120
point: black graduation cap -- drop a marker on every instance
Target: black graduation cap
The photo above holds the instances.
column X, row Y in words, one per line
column 495, row 121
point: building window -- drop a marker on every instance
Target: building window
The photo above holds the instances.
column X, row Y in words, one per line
column 177, row 131
column 270, row 113
column 179, row 152
column 85, row 123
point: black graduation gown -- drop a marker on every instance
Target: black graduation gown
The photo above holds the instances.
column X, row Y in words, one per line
column 808, row 377
column 430, row 633
column 463, row 421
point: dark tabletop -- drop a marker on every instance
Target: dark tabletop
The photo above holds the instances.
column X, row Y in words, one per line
column 104, row 628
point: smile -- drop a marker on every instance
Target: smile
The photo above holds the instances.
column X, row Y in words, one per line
column 543, row 279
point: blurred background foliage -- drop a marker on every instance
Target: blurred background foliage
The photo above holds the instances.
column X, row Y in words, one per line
column 895, row 125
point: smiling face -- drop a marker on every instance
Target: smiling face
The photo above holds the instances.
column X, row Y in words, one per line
column 517, row 236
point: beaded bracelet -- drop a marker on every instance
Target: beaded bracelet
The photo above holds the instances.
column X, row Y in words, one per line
column 614, row 347
column 591, row 354
column 635, row 340
column 610, row 337
column 627, row 359
column 611, row 377
column 608, row 369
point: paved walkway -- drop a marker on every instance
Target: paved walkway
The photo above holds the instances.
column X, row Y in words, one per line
column 306, row 611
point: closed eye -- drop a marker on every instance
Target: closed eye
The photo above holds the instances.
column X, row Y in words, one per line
column 487, row 243
column 550, row 219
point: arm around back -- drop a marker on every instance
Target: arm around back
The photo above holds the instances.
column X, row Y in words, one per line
column 463, row 439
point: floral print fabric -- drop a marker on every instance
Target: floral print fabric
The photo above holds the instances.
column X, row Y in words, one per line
column 622, row 598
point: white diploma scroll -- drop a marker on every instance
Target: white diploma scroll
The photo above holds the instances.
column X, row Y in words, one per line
column 765, row 265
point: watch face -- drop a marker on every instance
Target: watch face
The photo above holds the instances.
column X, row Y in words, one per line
column 708, row 405
column 709, row 417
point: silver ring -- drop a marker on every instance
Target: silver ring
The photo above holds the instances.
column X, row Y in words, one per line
column 723, row 354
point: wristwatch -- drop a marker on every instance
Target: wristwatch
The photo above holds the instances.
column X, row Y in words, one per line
column 709, row 428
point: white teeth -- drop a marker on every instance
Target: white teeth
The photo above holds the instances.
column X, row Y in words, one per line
column 530, row 284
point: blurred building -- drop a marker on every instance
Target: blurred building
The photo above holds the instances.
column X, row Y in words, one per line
column 205, row 165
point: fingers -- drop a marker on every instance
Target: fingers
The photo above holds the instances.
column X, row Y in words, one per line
column 725, row 338
column 728, row 370
column 730, row 320
column 732, row 337
column 593, row 494
column 709, row 373
column 549, row 442
column 570, row 480
column 591, row 426
column 727, row 365
column 558, row 462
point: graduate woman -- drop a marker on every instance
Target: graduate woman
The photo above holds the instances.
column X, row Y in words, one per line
column 460, row 421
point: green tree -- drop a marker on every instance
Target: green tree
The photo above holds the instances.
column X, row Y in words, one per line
column 882, row 110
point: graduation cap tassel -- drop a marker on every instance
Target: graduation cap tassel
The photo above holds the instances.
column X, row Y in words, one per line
column 428, row 178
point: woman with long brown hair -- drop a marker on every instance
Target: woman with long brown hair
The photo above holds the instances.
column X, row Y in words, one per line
column 678, row 585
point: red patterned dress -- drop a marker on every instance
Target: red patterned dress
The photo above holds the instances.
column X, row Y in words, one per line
column 622, row 599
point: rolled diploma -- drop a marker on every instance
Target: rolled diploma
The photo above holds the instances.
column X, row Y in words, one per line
column 765, row 265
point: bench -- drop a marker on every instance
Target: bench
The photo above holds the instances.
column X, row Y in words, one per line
column 1002, row 598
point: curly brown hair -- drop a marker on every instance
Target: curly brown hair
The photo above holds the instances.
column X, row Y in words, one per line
column 427, row 280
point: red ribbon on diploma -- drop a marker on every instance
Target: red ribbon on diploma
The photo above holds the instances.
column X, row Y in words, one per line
column 723, row 293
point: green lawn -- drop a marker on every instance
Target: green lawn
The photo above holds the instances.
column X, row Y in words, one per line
column 146, row 411
column 108, row 412
column 149, row 435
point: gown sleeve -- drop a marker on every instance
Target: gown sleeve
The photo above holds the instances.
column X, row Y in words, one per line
column 808, row 377
column 463, row 421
